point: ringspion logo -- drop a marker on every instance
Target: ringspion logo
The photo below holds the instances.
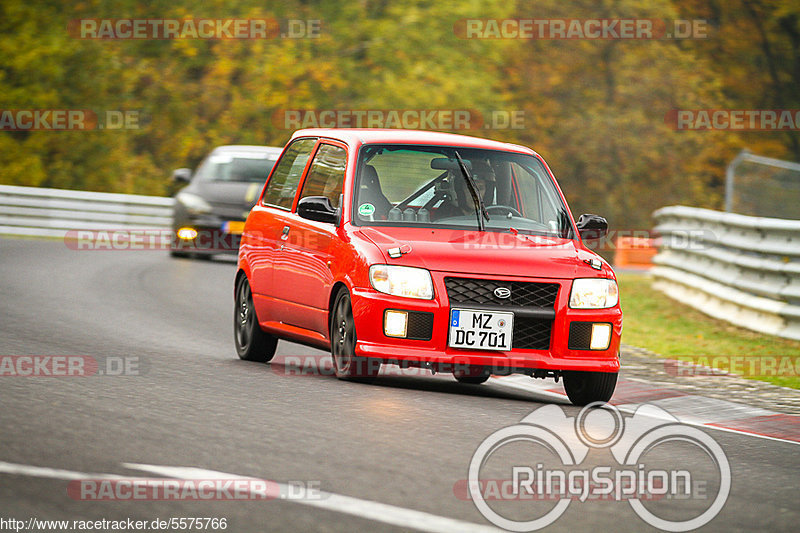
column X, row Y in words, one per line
column 547, row 451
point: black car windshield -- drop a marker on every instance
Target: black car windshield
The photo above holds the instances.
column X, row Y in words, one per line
column 239, row 167
column 410, row 185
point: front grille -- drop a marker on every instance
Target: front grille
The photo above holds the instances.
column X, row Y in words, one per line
column 531, row 333
column 420, row 326
column 481, row 291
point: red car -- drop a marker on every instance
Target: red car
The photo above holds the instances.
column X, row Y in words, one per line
column 425, row 249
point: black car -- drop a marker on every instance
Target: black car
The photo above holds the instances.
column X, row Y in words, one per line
column 210, row 211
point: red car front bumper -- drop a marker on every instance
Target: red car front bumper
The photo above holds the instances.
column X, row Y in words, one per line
column 369, row 307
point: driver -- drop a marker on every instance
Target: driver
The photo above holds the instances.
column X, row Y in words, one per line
column 483, row 175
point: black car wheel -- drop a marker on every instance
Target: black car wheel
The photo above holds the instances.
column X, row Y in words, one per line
column 252, row 343
column 586, row 387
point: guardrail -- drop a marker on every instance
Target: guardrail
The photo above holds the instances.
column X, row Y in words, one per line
column 738, row 268
column 53, row 212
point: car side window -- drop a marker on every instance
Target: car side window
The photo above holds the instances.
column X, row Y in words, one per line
column 326, row 175
column 283, row 184
column 537, row 206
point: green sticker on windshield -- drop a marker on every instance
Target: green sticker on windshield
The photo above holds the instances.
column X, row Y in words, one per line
column 366, row 210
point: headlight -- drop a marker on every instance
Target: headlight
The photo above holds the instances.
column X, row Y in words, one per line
column 402, row 281
column 593, row 293
column 193, row 203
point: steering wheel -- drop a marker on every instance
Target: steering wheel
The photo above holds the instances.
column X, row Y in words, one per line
column 504, row 209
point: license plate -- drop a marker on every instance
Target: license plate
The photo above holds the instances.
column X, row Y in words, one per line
column 234, row 227
column 480, row 330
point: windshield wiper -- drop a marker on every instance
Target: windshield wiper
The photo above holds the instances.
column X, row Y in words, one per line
column 473, row 190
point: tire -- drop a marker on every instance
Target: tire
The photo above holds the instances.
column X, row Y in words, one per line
column 174, row 253
column 252, row 343
column 472, row 375
column 586, row 387
column 343, row 343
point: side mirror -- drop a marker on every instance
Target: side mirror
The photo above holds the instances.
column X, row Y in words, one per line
column 182, row 175
column 318, row 208
column 592, row 227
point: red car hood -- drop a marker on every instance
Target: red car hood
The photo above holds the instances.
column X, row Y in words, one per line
column 487, row 252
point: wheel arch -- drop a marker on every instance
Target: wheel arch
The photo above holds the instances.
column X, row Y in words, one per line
column 332, row 300
column 239, row 275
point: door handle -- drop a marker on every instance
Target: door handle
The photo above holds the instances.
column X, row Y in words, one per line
column 285, row 233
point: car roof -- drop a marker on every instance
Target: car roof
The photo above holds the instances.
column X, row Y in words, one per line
column 354, row 136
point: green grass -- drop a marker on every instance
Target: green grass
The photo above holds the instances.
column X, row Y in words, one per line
column 662, row 325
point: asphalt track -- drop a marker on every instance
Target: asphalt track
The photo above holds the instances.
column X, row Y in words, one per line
column 390, row 456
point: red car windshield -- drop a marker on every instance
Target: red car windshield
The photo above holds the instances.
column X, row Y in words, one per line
column 409, row 185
